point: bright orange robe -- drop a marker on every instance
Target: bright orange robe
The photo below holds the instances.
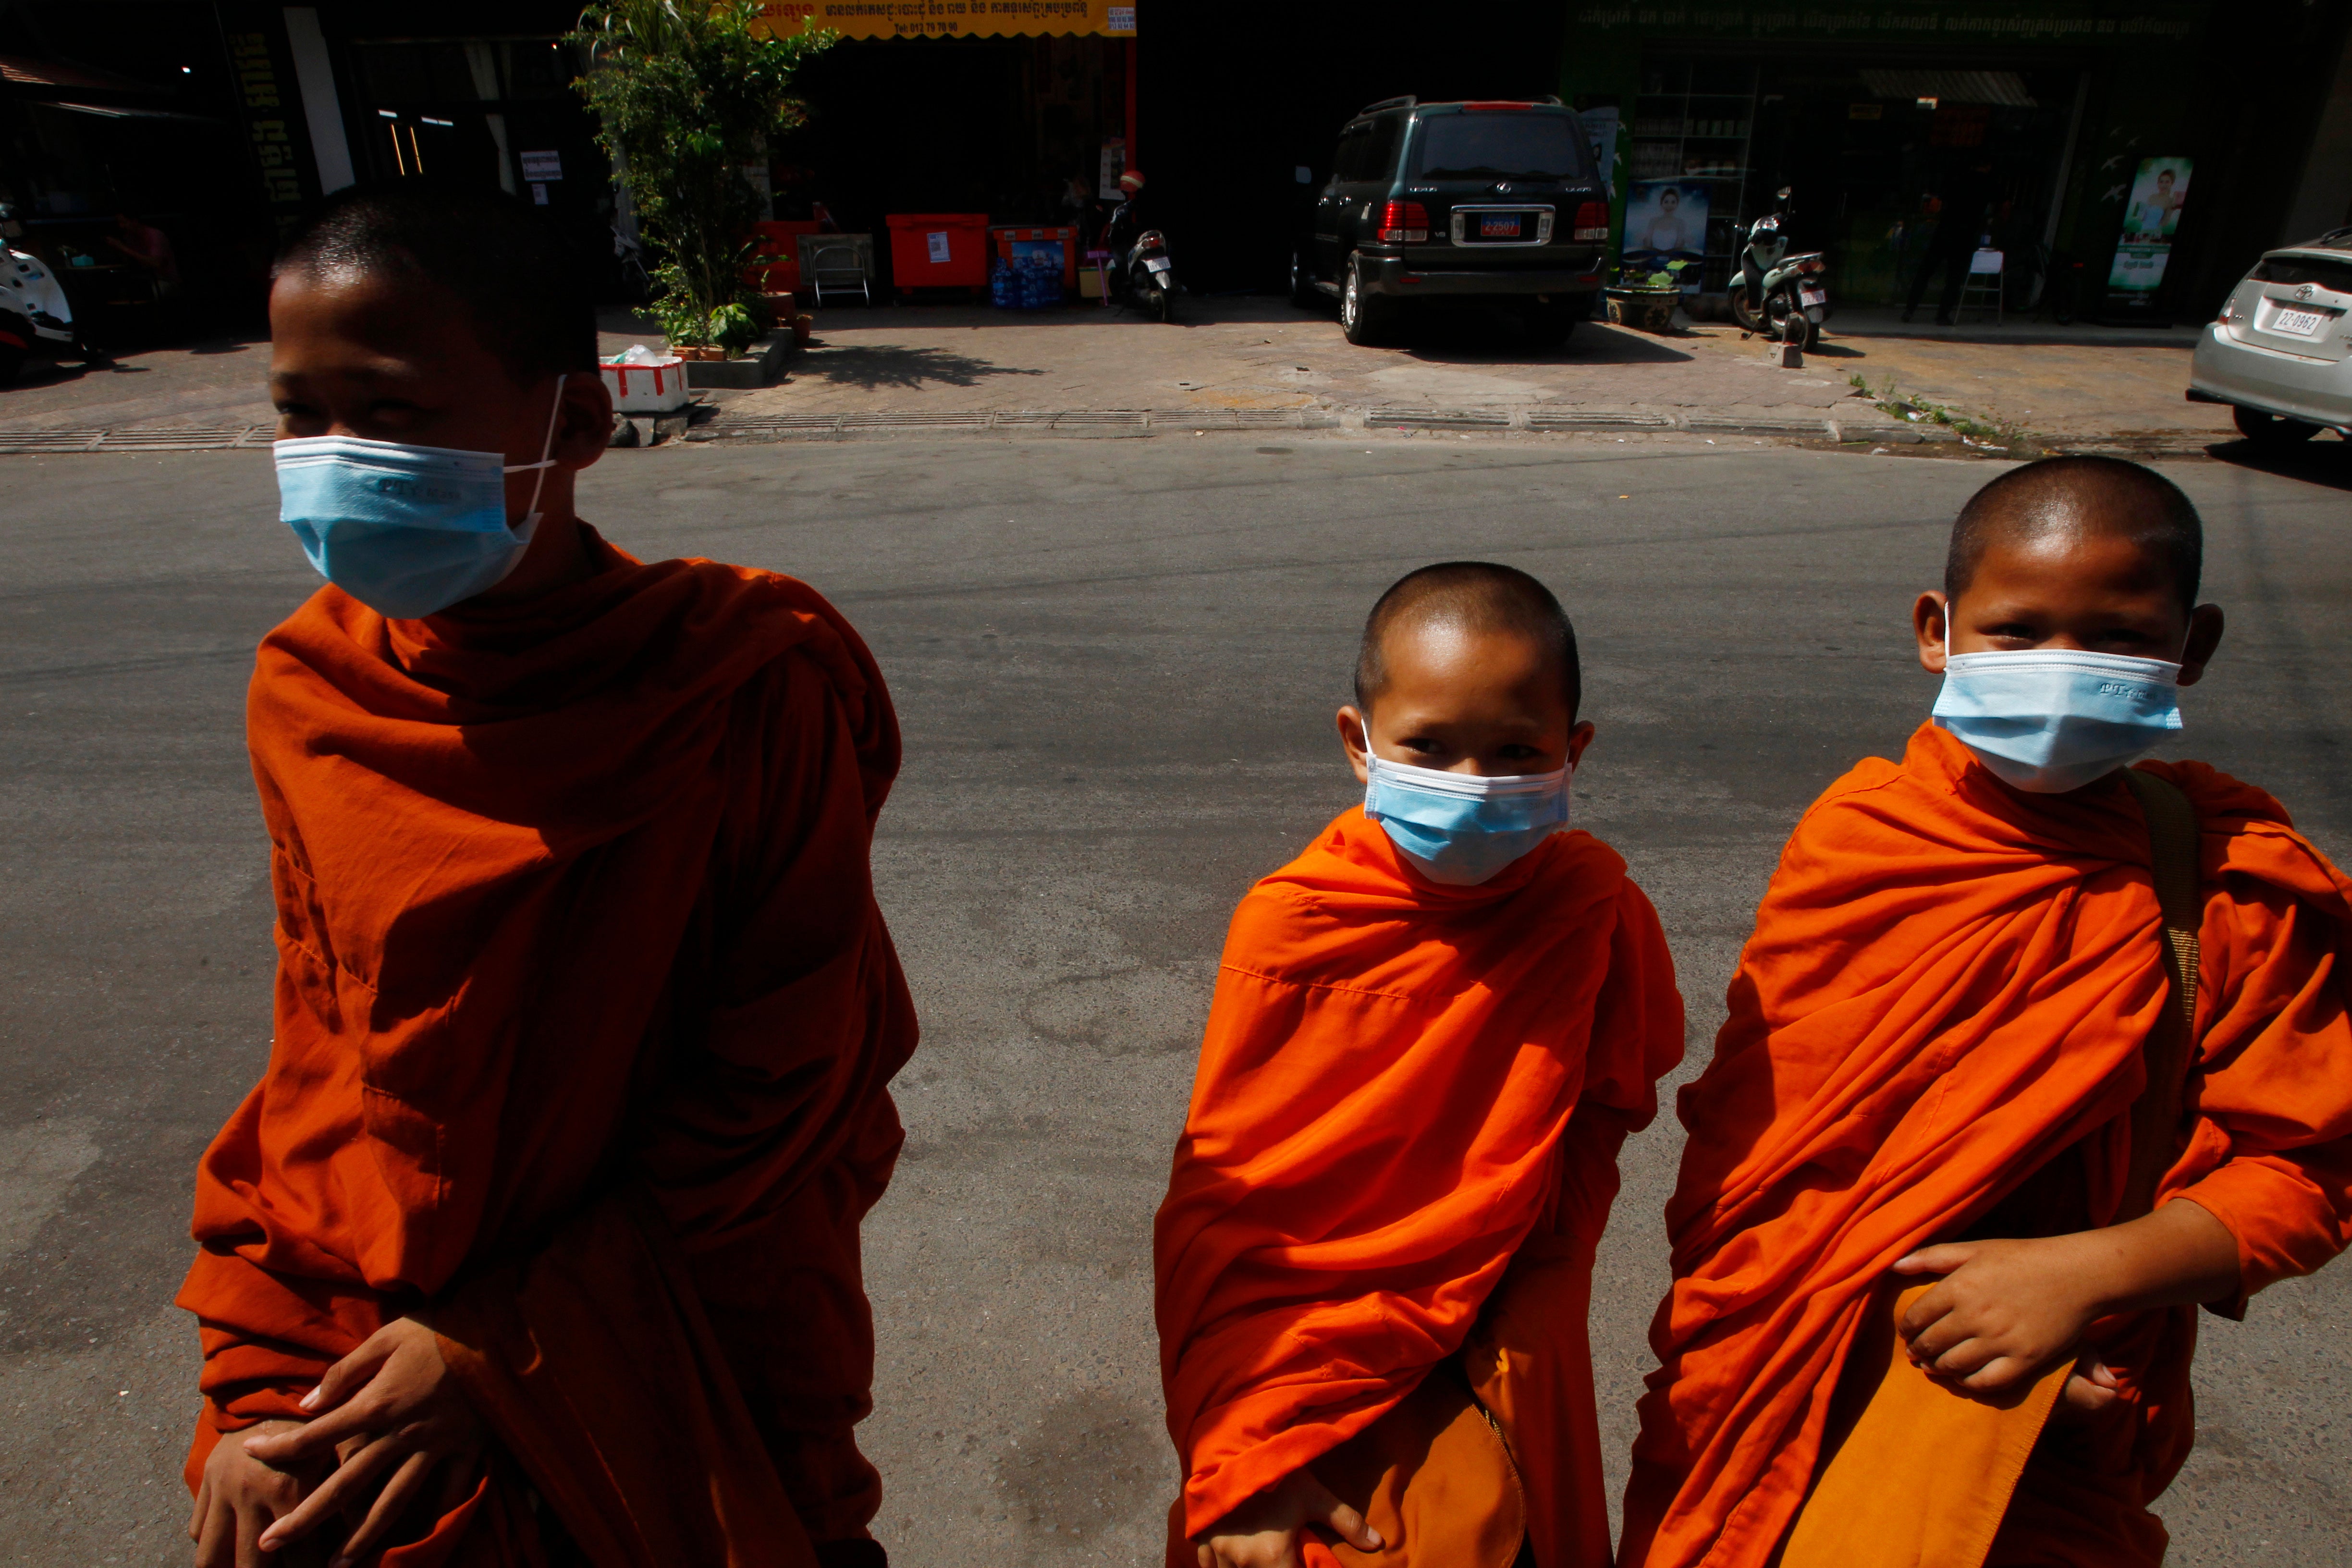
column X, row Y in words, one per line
column 1402, row 1084
column 1949, row 983
column 585, row 1018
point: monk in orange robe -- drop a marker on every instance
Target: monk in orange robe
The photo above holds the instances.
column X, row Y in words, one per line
column 1431, row 1033
column 537, row 1242
column 1942, row 1069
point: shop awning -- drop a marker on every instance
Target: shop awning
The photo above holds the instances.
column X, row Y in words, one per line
column 2004, row 88
column 953, row 19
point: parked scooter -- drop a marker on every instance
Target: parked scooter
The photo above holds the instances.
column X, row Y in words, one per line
column 35, row 319
column 1776, row 294
column 1142, row 275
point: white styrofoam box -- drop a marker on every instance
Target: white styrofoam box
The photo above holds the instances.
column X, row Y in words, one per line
column 657, row 387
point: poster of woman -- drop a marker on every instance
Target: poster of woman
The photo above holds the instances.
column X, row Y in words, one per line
column 2154, row 211
column 1665, row 220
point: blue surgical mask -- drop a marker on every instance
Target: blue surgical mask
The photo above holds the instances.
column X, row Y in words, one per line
column 1459, row 828
column 2050, row 719
column 406, row 531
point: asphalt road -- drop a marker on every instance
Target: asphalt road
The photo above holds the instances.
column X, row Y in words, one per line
column 1116, row 662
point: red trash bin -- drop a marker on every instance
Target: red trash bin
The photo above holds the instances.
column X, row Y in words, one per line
column 939, row 250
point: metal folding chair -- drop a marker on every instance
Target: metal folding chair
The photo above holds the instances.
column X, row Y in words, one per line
column 840, row 267
column 1985, row 269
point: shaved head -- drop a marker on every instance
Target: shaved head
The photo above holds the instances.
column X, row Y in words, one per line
column 1475, row 597
column 2071, row 498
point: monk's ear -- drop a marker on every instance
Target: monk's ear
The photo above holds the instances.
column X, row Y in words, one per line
column 1355, row 741
column 1930, row 625
column 2204, row 637
column 583, row 427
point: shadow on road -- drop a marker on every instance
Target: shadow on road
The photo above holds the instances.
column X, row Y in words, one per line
column 2318, row 461
column 901, row 368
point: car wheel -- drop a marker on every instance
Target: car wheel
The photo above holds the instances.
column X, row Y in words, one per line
column 1364, row 316
column 2272, row 429
column 1303, row 293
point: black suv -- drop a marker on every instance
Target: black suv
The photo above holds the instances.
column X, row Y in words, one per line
column 1492, row 201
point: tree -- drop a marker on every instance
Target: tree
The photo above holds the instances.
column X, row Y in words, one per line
column 686, row 93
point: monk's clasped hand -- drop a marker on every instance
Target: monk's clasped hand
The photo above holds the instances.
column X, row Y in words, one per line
column 2004, row 1312
column 396, row 1418
column 1267, row 1531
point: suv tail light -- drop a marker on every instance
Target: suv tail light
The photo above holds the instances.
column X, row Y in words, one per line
column 1405, row 223
column 1593, row 222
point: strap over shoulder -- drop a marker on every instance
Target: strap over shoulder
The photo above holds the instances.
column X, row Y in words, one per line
column 2155, row 1115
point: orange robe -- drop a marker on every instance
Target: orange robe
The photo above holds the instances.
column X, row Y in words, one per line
column 585, row 1018
column 1949, row 983
column 1404, row 1086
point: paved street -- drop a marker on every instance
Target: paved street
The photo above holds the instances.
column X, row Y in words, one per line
column 1116, row 663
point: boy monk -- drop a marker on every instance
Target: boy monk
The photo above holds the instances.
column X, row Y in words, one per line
column 537, row 1242
column 1431, row 1033
column 1963, row 1166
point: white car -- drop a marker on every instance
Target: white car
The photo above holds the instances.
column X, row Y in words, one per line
column 2280, row 354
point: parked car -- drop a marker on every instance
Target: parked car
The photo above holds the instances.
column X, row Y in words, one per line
column 2280, row 354
column 1456, row 203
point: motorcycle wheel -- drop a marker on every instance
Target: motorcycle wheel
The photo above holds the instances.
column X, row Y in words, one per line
column 1163, row 305
column 11, row 362
column 1750, row 319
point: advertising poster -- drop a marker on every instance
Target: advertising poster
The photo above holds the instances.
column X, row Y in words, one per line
column 1665, row 220
column 2151, row 214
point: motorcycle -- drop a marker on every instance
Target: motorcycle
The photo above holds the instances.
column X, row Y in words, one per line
column 1776, row 295
column 35, row 319
column 1142, row 276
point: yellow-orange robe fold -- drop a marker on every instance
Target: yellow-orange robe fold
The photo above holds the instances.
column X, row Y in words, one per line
column 1949, row 985
column 585, row 1017
column 1404, row 1088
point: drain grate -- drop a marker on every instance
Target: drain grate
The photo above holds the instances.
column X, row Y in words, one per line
column 1758, row 425
column 150, row 439
column 1436, row 419
column 1596, row 419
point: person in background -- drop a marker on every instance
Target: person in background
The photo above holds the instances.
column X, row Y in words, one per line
column 149, row 247
column 1966, row 197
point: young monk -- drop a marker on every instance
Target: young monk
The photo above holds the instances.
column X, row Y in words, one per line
column 1431, row 1033
column 1964, row 1165
column 537, row 1243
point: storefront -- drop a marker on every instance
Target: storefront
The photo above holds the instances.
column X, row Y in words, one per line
column 2103, row 132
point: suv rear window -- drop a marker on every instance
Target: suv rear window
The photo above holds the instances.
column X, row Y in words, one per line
column 1499, row 147
column 2332, row 275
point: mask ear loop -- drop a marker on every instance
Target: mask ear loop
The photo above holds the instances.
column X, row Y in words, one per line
column 530, row 524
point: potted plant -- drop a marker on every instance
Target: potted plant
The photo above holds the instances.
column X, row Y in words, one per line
column 1646, row 298
column 686, row 93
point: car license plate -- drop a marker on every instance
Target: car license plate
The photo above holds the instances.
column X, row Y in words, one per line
column 1506, row 227
column 1811, row 295
column 2299, row 323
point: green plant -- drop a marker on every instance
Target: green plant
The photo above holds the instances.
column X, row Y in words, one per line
column 1668, row 276
column 686, row 93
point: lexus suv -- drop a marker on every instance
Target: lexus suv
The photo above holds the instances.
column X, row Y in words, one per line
column 2281, row 352
column 1448, row 203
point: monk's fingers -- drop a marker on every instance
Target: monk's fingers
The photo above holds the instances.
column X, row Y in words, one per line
column 405, row 1487
column 2083, row 1395
column 342, row 1492
column 203, row 1506
column 249, row 1522
column 317, row 1441
column 1994, row 1373
column 1942, row 1258
column 1349, row 1526
column 216, row 1538
column 354, row 1371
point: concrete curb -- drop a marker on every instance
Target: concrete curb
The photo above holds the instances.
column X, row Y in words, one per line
column 1834, row 426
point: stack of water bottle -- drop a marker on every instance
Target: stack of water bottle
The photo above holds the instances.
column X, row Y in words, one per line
column 1031, row 280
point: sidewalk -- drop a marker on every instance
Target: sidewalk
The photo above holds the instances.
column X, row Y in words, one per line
column 1232, row 362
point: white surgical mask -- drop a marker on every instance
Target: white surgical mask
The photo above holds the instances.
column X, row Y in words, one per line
column 2053, row 719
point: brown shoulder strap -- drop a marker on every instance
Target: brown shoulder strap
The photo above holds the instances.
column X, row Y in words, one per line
column 2155, row 1115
